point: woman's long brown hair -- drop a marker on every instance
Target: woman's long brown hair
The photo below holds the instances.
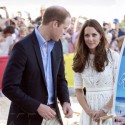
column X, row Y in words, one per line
column 82, row 51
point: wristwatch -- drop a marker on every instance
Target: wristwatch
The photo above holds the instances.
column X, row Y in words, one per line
column 106, row 110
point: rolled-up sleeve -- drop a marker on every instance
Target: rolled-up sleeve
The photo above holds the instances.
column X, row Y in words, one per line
column 78, row 81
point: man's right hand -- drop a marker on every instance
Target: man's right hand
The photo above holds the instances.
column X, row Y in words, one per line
column 46, row 112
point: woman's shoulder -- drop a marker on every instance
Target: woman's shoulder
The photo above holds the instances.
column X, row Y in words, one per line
column 113, row 54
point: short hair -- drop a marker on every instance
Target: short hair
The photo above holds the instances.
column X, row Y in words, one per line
column 57, row 13
column 104, row 24
column 9, row 29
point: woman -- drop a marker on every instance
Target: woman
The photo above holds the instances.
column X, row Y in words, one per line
column 95, row 68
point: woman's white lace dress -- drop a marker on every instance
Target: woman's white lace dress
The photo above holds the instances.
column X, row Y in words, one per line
column 99, row 86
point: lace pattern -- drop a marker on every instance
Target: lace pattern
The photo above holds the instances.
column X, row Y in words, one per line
column 94, row 80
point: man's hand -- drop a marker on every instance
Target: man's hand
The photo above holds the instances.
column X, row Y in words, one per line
column 67, row 110
column 46, row 112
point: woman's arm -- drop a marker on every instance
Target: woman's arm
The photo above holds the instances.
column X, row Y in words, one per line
column 82, row 101
column 104, row 110
column 108, row 106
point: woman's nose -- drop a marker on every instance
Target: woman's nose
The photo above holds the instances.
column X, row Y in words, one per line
column 90, row 38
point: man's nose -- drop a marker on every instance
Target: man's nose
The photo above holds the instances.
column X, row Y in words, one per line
column 64, row 31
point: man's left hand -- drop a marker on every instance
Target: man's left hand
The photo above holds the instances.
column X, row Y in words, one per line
column 68, row 112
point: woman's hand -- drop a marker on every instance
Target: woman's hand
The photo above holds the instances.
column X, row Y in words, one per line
column 91, row 113
column 98, row 114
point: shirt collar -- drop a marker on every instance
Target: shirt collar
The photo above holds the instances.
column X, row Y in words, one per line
column 40, row 38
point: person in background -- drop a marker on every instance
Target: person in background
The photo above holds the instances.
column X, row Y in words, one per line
column 80, row 21
column 30, row 28
column 6, row 11
column 7, row 41
column 122, row 24
column 34, row 78
column 64, row 45
column 95, row 68
column 107, row 33
column 39, row 19
column 23, row 31
column 117, row 34
column 70, row 44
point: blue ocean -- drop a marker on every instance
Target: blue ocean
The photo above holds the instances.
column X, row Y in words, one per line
column 120, row 106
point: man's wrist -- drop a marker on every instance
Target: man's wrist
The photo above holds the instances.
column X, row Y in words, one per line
column 65, row 103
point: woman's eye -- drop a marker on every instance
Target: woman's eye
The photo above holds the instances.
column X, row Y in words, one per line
column 94, row 34
column 86, row 35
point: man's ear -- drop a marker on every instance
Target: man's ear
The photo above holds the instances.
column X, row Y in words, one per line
column 55, row 24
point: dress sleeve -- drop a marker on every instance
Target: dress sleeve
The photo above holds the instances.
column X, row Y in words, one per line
column 78, row 82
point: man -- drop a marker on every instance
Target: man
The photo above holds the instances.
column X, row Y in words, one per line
column 34, row 77
column 39, row 19
column 117, row 35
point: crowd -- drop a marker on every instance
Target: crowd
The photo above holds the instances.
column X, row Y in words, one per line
column 35, row 77
column 15, row 28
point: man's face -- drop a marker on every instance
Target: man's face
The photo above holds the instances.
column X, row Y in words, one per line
column 60, row 30
column 42, row 11
column 105, row 28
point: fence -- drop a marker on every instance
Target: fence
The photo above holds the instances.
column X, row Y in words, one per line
column 3, row 62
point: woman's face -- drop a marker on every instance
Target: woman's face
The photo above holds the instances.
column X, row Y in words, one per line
column 92, row 38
